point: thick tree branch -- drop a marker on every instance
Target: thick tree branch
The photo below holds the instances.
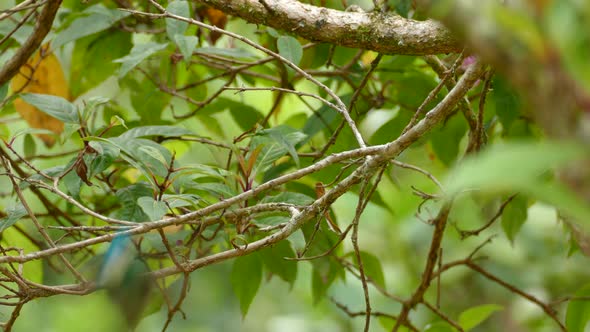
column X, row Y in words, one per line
column 383, row 33
column 42, row 27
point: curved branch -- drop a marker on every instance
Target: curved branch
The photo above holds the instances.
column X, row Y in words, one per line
column 42, row 27
column 383, row 33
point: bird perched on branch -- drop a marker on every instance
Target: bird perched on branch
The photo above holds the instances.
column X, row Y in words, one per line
column 124, row 277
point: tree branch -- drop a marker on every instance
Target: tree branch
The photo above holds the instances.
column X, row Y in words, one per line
column 383, row 33
column 42, row 27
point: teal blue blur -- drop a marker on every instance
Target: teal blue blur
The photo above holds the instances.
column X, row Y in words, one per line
column 122, row 274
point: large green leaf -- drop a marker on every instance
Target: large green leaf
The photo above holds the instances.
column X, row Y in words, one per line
column 155, row 210
column 514, row 164
column 392, row 129
column 98, row 18
column 325, row 269
column 55, row 106
column 506, row 101
column 290, row 49
column 128, row 197
column 246, row 277
column 514, row 216
column 13, row 214
column 139, row 53
column 274, row 260
column 372, row 267
column 176, row 27
column 446, row 139
column 578, row 311
column 92, row 59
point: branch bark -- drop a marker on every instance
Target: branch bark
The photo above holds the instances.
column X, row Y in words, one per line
column 379, row 32
column 42, row 27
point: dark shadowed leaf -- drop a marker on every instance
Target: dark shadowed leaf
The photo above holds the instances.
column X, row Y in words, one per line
column 246, row 277
column 275, row 262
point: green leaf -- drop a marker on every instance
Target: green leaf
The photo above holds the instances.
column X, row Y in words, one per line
column 325, row 269
column 155, row 210
column 279, row 136
column 128, row 198
column 439, row 327
column 181, row 200
column 506, row 102
column 290, row 49
column 19, row 34
column 91, row 105
column 511, row 166
column 30, row 147
column 176, row 27
column 139, row 53
column 372, row 267
column 578, row 311
column 391, row 129
column 519, row 167
column 13, row 214
column 514, row 216
column 151, row 155
column 3, row 91
column 163, row 131
column 246, row 277
column 413, row 87
column 274, row 260
column 106, row 155
column 92, row 59
column 55, row 106
column 288, row 197
column 274, row 149
column 445, row 140
column 147, row 98
column 472, row 317
column 186, row 45
column 98, row 19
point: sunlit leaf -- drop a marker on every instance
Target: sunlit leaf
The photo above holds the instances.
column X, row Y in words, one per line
column 472, row 317
column 57, row 107
column 578, row 311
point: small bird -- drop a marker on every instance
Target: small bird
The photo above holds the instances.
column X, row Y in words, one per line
column 123, row 275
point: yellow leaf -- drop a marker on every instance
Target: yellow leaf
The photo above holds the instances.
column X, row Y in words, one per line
column 41, row 74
